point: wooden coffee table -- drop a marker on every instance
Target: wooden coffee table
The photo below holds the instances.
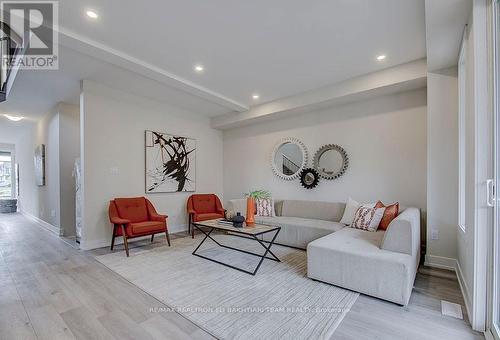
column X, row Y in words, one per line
column 249, row 232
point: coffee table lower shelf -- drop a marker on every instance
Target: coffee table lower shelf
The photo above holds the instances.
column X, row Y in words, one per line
column 250, row 236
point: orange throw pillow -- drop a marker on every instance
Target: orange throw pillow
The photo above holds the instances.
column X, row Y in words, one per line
column 391, row 212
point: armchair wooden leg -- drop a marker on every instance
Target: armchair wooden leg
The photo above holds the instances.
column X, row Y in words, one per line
column 125, row 240
column 168, row 237
column 115, row 227
column 152, row 238
column 189, row 224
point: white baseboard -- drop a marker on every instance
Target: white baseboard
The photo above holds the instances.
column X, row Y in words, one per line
column 453, row 265
column 440, row 262
column 488, row 335
column 89, row 245
column 42, row 223
column 95, row 244
column 464, row 288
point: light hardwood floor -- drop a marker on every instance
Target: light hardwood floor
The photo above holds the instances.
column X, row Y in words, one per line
column 50, row 290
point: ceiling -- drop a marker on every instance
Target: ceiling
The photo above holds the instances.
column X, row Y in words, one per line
column 445, row 21
column 274, row 48
column 35, row 93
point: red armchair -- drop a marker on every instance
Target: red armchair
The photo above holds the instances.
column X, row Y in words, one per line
column 203, row 207
column 135, row 217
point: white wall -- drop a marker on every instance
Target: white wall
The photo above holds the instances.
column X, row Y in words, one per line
column 442, row 170
column 49, row 203
column 40, row 201
column 69, row 150
column 59, row 131
column 385, row 138
column 28, row 191
column 465, row 239
column 113, row 156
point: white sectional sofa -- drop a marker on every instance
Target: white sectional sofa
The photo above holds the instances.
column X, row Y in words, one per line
column 301, row 221
column 381, row 264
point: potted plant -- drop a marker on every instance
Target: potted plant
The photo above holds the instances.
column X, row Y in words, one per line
column 251, row 197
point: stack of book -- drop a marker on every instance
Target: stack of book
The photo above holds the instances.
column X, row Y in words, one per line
column 225, row 222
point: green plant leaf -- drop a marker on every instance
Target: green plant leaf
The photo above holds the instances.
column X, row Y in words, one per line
column 259, row 194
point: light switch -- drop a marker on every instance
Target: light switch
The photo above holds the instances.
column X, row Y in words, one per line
column 435, row 234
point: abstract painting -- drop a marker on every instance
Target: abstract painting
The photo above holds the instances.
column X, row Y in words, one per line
column 170, row 163
column 40, row 165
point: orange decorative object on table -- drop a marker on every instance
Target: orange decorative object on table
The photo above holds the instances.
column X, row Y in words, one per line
column 250, row 218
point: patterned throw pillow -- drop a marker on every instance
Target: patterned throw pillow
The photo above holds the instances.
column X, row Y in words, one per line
column 367, row 218
column 265, row 207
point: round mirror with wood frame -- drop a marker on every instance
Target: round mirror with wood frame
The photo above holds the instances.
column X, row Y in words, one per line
column 289, row 158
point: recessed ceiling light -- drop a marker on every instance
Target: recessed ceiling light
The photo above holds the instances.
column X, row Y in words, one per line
column 381, row 57
column 199, row 68
column 255, row 96
column 92, row 14
column 14, row 118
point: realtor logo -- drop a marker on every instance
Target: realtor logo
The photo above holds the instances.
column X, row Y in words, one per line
column 33, row 29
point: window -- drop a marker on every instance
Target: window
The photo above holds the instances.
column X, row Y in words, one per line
column 462, row 96
column 5, row 175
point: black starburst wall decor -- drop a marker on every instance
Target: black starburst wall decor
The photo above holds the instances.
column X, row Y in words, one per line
column 309, row 178
column 170, row 163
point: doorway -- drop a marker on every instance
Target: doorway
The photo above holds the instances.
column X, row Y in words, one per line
column 7, row 175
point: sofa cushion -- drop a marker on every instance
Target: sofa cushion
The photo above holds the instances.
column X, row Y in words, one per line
column 207, row 216
column 352, row 258
column 327, row 211
column 278, row 208
column 298, row 232
column 140, row 228
column 132, row 209
column 204, row 203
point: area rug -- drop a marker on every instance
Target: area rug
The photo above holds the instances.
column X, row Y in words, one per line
column 278, row 302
